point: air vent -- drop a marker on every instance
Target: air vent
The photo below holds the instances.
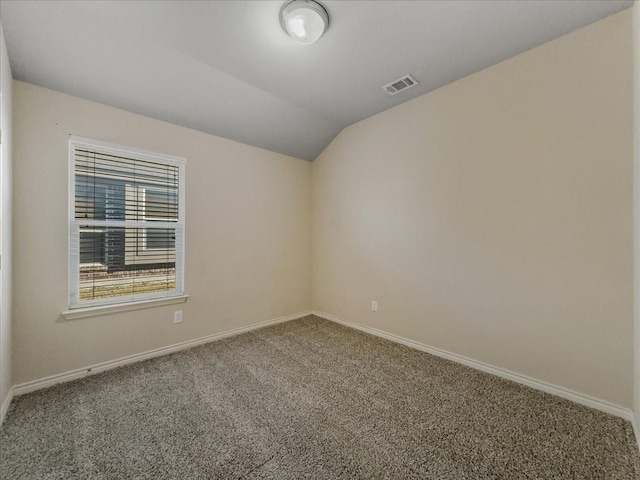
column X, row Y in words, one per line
column 400, row 84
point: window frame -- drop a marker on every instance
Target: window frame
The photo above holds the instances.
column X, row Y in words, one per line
column 75, row 224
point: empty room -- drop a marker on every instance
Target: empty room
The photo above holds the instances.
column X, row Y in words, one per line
column 324, row 239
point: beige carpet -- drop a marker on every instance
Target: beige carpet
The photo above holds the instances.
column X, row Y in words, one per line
column 308, row 399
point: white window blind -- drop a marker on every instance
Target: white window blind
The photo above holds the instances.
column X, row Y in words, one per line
column 126, row 228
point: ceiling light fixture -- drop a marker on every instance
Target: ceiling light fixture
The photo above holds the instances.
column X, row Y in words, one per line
column 304, row 20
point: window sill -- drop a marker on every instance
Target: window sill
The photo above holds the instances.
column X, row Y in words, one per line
column 121, row 307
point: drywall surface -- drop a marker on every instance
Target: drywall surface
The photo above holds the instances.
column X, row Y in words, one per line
column 5, row 221
column 247, row 235
column 636, row 213
column 492, row 218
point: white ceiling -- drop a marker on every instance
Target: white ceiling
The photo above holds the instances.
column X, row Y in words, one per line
column 227, row 68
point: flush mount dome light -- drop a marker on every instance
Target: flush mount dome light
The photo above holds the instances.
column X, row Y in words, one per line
column 304, row 20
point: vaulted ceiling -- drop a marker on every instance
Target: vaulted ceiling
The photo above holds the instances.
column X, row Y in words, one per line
column 228, row 68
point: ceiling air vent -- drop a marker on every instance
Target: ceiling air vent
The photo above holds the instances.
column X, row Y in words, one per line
column 400, row 84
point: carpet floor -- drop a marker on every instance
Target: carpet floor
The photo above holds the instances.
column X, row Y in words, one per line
column 308, row 399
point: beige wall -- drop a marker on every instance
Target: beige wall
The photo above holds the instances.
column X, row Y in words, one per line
column 636, row 215
column 492, row 217
column 5, row 219
column 247, row 231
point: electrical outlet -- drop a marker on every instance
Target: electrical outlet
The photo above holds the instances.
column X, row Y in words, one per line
column 177, row 316
column 374, row 306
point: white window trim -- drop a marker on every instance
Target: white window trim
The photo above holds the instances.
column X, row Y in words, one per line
column 74, row 263
column 85, row 312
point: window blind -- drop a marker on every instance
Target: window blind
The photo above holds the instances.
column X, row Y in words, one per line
column 126, row 240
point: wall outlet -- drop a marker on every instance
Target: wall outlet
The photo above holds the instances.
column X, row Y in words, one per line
column 374, row 306
column 177, row 316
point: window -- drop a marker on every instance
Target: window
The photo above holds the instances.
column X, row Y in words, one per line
column 126, row 228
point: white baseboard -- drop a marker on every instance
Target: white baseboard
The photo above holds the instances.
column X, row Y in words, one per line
column 580, row 398
column 41, row 383
column 5, row 405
